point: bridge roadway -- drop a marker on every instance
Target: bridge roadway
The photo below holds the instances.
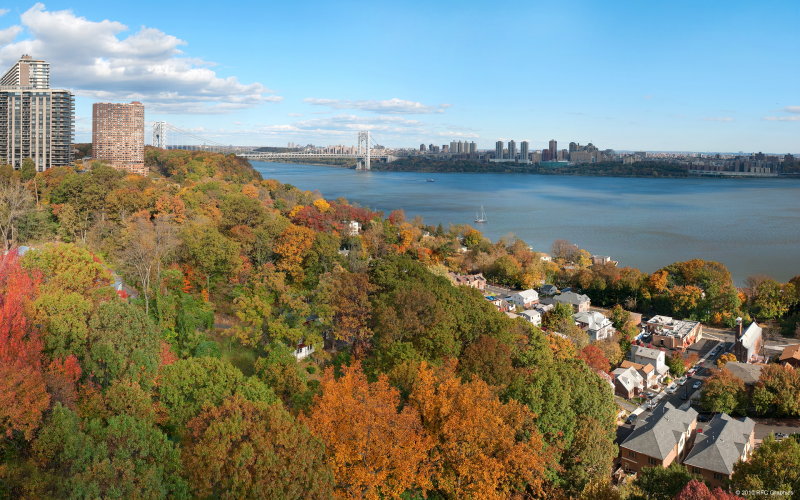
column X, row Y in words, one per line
column 277, row 156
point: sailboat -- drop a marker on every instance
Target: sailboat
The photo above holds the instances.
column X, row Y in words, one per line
column 482, row 217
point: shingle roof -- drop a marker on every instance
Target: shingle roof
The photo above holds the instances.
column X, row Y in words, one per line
column 628, row 377
column 750, row 373
column 657, row 435
column 571, row 298
column 721, row 444
column 791, row 352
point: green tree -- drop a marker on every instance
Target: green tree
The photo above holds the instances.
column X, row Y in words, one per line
column 123, row 457
column 245, row 449
column 188, row 385
column 774, row 466
column 211, row 252
column 659, row 483
column 27, row 170
column 676, row 364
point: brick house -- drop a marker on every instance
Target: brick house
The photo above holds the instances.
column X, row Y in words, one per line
column 719, row 445
column 662, row 438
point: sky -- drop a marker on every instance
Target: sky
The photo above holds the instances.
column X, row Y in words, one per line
column 721, row 76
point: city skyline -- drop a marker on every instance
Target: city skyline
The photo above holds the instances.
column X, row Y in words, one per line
column 627, row 76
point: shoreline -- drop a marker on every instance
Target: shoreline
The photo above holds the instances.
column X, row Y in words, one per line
column 553, row 172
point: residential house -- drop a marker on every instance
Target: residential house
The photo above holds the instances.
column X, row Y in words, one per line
column 791, row 356
column 524, row 299
column 628, row 383
column 672, row 333
column 579, row 302
column 533, row 316
column 646, row 355
column 602, row 260
column 476, row 281
column 662, row 438
column 303, row 351
column 647, row 372
column 543, row 308
column 548, row 290
column 353, row 228
column 749, row 373
column 719, row 445
column 501, row 304
column 747, row 347
column 595, row 324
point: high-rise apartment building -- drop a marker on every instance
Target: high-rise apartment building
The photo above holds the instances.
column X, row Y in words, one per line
column 453, row 147
column 512, row 150
column 422, row 148
column 473, row 148
column 553, row 147
column 28, row 72
column 36, row 122
column 523, row 150
column 118, row 135
column 498, row 150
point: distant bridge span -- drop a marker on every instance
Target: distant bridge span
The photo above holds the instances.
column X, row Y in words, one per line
column 300, row 155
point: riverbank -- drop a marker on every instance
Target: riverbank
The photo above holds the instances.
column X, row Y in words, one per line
column 750, row 225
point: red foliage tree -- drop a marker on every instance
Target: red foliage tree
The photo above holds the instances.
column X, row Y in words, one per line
column 595, row 358
column 697, row 490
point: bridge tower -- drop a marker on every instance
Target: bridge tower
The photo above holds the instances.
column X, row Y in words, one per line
column 363, row 138
column 160, row 135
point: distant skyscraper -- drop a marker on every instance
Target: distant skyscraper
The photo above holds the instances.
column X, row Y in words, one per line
column 498, row 150
column 422, row 148
column 573, row 147
column 36, row 121
column 523, row 150
column 553, row 149
column 445, row 148
column 28, row 72
column 546, row 155
column 473, row 148
column 453, row 147
column 512, row 150
column 118, row 135
column 431, row 148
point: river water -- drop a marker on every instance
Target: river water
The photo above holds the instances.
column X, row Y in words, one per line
column 750, row 225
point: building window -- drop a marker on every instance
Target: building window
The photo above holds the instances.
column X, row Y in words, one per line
column 720, row 477
column 632, row 454
column 652, row 461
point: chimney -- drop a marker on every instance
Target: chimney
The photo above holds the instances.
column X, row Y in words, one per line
column 738, row 328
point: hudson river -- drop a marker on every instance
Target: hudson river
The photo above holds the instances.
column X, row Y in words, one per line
column 750, row 225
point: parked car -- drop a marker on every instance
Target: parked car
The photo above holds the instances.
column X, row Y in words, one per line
column 682, row 380
column 697, row 385
column 691, row 372
column 631, row 418
column 672, row 389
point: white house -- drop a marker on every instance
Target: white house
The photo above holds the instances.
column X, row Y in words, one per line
column 578, row 301
column 303, row 351
column 533, row 316
column 525, row 298
column 353, row 228
column 646, row 355
column 627, row 382
column 595, row 324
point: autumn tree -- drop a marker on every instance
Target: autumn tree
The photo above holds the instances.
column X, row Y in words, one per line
column 209, row 251
column 724, row 393
column 374, row 450
column 676, row 364
column 245, row 449
column 291, row 248
column 697, row 490
column 777, row 392
column 483, row 448
column 490, row 359
column 595, row 358
column 348, row 298
column 23, row 392
column 725, row 358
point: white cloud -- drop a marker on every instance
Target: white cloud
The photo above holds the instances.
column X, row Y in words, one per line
column 719, row 119
column 792, row 109
column 390, row 106
column 782, row 118
column 3, row 12
column 99, row 59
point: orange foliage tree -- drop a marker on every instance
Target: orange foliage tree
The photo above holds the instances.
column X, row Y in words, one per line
column 291, row 248
column 595, row 358
column 374, row 450
column 484, row 448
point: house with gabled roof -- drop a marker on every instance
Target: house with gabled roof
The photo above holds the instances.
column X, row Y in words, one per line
column 791, row 356
column 719, row 445
column 628, row 382
column 662, row 438
column 524, row 299
column 747, row 347
column 578, row 301
column 597, row 326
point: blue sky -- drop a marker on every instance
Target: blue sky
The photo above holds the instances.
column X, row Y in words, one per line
column 680, row 75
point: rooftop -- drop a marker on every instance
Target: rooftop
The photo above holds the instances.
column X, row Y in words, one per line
column 720, row 444
column 668, row 326
column 657, row 435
